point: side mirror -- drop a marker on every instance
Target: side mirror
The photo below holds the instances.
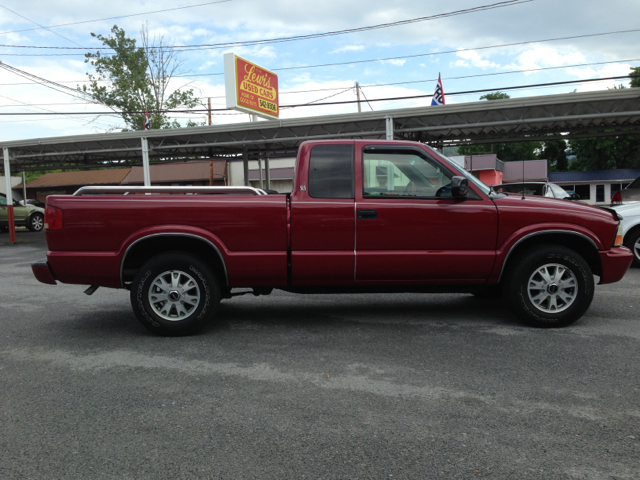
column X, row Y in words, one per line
column 459, row 187
column 575, row 196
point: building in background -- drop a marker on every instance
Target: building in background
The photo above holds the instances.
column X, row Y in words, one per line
column 197, row 173
column 595, row 187
column 280, row 169
column 66, row 183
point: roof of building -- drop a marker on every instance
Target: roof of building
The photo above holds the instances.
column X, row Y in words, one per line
column 112, row 176
column 177, row 172
column 487, row 161
column 532, row 169
column 284, row 173
column 622, row 175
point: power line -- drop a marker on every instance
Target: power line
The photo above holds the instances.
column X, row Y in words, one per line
column 35, row 23
column 502, row 4
column 389, row 99
column 111, row 18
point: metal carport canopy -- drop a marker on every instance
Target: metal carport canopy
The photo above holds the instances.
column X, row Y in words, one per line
column 608, row 112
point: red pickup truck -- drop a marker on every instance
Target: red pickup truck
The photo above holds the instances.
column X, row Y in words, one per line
column 364, row 216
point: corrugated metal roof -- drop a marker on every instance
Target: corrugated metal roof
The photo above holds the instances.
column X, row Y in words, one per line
column 622, row 175
column 533, row 170
column 284, row 173
column 177, row 172
column 111, row 176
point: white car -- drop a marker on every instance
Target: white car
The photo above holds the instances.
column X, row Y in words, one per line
column 630, row 213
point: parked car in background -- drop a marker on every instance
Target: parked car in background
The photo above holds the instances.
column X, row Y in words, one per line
column 540, row 189
column 630, row 213
column 629, row 194
column 24, row 215
column 32, row 201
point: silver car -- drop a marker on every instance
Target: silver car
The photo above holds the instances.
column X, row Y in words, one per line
column 24, row 215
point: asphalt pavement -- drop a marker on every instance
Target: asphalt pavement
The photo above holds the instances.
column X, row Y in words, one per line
column 286, row 386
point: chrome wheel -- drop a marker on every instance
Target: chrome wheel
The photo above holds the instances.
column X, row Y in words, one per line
column 552, row 288
column 636, row 249
column 37, row 222
column 174, row 295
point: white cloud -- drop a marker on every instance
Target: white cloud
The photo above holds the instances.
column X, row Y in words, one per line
column 472, row 58
column 540, row 57
column 396, row 62
column 348, row 48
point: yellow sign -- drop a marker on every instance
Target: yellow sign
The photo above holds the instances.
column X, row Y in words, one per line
column 250, row 88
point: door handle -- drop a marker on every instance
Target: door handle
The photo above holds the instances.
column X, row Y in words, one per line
column 367, row 214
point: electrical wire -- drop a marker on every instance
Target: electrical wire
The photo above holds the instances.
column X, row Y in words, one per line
column 407, row 97
column 35, row 23
column 112, row 18
column 502, row 4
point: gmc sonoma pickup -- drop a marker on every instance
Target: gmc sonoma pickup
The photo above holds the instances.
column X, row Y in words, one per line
column 364, row 216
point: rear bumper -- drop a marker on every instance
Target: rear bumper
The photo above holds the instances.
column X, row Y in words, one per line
column 615, row 263
column 43, row 273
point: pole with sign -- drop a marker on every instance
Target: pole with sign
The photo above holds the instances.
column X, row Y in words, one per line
column 250, row 88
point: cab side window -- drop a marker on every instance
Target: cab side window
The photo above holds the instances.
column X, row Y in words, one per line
column 403, row 174
column 331, row 171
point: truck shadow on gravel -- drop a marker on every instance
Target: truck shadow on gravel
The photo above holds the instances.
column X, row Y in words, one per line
column 428, row 310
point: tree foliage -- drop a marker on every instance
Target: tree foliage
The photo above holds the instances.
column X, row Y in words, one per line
column 635, row 80
column 131, row 79
column 506, row 152
column 605, row 153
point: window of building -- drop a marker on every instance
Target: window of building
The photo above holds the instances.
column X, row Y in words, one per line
column 584, row 191
column 569, row 188
column 331, row 171
column 403, row 174
column 599, row 193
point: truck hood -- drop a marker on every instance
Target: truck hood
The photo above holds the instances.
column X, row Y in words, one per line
column 554, row 206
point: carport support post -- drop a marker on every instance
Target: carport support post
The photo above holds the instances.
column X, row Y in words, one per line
column 145, row 162
column 267, row 174
column 245, row 164
column 389, row 122
column 7, row 180
column 24, row 188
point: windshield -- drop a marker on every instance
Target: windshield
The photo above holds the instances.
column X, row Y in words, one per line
column 486, row 190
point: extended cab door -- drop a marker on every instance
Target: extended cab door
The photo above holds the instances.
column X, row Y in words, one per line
column 409, row 228
column 323, row 216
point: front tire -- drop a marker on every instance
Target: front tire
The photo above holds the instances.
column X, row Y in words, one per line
column 175, row 294
column 36, row 222
column 549, row 286
column 632, row 242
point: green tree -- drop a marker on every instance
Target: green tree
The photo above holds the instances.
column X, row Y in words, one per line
column 606, row 153
column 495, row 96
column 635, row 81
column 131, row 79
column 554, row 151
column 506, row 152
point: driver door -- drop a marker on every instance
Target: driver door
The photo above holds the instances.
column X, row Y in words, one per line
column 410, row 229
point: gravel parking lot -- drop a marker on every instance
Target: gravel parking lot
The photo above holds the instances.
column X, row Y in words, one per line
column 321, row 386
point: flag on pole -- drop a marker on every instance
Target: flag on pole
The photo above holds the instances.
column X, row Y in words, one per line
column 438, row 95
column 147, row 125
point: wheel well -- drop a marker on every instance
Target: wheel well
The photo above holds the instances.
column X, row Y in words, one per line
column 575, row 242
column 143, row 250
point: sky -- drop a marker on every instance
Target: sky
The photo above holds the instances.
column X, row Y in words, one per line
column 471, row 51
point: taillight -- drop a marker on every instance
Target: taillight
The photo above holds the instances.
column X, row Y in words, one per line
column 52, row 218
column 617, row 198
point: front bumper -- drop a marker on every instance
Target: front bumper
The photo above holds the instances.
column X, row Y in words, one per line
column 43, row 273
column 615, row 263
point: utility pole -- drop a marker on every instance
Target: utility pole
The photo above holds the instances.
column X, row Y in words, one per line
column 209, row 110
column 358, row 94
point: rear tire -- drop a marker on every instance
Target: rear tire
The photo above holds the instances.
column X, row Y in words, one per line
column 632, row 242
column 175, row 294
column 549, row 286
